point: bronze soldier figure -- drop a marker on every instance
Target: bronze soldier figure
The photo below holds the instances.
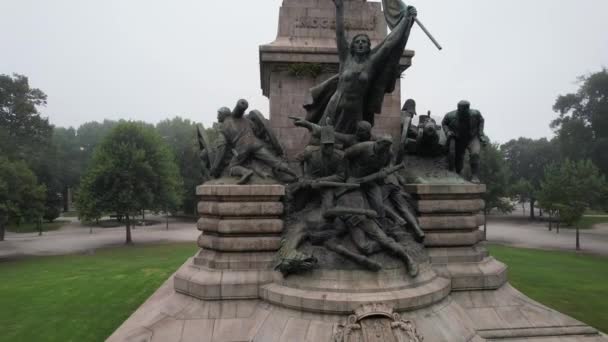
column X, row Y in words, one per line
column 464, row 131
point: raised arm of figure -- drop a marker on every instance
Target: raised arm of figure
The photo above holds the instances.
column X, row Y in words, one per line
column 342, row 43
column 398, row 36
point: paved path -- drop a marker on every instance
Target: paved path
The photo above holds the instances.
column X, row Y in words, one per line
column 510, row 230
column 74, row 238
column 518, row 231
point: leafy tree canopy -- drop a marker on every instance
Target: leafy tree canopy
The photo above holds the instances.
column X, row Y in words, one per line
column 582, row 124
column 20, row 194
column 131, row 170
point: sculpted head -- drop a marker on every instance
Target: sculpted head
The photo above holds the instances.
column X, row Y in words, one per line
column 240, row 108
column 383, row 144
column 463, row 107
column 364, row 131
column 222, row 114
column 361, row 45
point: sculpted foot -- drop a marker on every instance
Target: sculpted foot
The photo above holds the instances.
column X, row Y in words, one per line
column 412, row 268
column 245, row 178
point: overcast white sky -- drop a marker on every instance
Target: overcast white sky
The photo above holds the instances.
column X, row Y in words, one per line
column 150, row 59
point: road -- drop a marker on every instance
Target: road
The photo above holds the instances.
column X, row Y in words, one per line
column 512, row 230
column 518, row 231
column 75, row 238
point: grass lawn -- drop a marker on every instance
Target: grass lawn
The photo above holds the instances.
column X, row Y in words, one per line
column 589, row 221
column 32, row 227
column 574, row 284
column 81, row 297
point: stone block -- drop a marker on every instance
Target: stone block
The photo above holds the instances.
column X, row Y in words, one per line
column 455, row 239
column 229, row 226
column 240, row 190
column 445, row 222
column 234, row 260
column 240, row 209
column 240, row 244
column 449, row 206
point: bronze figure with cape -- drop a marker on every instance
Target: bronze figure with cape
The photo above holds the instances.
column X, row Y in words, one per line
column 356, row 93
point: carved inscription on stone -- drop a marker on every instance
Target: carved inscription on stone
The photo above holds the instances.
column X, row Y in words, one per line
column 355, row 24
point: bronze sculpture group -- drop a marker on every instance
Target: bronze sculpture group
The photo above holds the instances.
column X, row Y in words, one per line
column 346, row 202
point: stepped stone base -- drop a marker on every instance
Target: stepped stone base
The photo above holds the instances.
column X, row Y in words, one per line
column 500, row 315
column 229, row 292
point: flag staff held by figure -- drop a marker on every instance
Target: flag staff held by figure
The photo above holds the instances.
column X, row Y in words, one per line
column 393, row 10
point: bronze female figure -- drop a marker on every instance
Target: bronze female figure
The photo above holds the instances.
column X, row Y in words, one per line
column 365, row 75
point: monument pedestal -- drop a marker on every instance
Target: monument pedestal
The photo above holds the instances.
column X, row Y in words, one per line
column 229, row 292
column 451, row 215
column 241, row 230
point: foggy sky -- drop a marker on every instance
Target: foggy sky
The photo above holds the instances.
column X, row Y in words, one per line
column 150, row 59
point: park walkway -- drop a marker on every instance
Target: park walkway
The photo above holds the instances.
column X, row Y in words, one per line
column 75, row 238
column 519, row 231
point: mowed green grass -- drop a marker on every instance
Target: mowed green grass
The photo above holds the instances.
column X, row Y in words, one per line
column 81, row 297
column 575, row 284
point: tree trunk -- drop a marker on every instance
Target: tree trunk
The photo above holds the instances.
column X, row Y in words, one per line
column 143, row 218
column 532, row 208
column 550, row 221
column 66, row 192
column 578, row 239
column 2, row 228
column 523, row 207
column 39, row 225
column 167, row 219
column 540, row 212
column 129, row 240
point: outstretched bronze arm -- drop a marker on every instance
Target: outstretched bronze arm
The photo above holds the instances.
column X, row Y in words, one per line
column 342, row 43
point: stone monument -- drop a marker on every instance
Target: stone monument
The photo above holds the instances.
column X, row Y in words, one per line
column 304, row 54
column 374, row 239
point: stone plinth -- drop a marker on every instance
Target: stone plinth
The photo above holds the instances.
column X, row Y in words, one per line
column 451, row 215
column 304, row 54
column 241, row 230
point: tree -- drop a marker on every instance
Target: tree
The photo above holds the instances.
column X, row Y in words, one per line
column 527, row 159
column 495, row 174
column 582, row 125
column 523, row 191
column 20, row 194
column 131, row 170
column 23, row 129
column 571, row 188
column 180, row 134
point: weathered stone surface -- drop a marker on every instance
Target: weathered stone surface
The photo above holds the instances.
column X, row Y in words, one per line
column 235, row 191
column 258, row 226
column 469, row 254
column 457, row 239
column 240, row 209
column 204, row 283
column 346, row 302
column 449, row 206
column 464, row 316
column 445, row 222
column 488, row 274
column 234, row 260
column 240, row 244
